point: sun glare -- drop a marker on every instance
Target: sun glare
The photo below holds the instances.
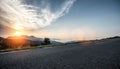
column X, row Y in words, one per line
column 18, row 33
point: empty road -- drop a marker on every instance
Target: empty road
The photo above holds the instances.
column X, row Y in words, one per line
column 99, row 55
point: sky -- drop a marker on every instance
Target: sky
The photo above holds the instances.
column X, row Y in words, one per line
column 61, row 19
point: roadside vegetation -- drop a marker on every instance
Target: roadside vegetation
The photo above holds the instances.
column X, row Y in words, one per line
column 20, row 43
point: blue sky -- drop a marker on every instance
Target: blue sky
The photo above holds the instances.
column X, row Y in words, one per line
column 99, row 16
column 75, row 19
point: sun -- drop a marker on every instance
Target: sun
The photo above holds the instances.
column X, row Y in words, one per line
column 17, row 33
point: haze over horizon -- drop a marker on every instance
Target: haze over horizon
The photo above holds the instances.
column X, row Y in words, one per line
column 61, row 19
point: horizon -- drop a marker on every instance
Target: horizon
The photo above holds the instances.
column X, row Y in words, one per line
column 66, row 20
column 58, row 40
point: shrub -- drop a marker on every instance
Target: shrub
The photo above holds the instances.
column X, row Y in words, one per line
column 46, row 41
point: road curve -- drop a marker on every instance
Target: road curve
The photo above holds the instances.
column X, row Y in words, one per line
column 71, row 56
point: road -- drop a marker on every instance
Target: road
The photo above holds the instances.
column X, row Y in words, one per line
column 71, row 56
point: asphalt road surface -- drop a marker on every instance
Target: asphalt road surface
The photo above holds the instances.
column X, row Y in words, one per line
column 71, row 56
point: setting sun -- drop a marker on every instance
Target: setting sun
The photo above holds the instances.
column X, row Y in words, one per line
column 18, row 33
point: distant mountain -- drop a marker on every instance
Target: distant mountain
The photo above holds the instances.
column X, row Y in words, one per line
column 109, row 39
column 55, row 42
column 115, row 37
column 35, row 40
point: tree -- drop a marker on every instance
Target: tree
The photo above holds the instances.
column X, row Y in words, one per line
column 46, row 41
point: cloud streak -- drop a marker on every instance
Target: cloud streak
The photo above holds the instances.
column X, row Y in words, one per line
column 21, row 16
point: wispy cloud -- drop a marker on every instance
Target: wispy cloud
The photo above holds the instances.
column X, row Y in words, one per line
column 21, row 16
